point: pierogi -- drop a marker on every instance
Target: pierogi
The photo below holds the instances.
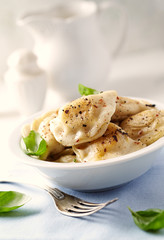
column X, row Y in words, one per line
column 113, row 143
column 146, row 126
column 97, row 127
column 84, row 119
column 126, row 107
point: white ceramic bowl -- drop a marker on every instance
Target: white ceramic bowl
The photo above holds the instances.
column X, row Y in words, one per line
column 91, row 176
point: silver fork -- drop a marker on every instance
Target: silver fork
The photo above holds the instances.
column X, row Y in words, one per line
column 65, row 203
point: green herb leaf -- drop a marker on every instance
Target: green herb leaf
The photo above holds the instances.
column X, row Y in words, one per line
column 10, row 200
column 149, row 220
column 33, row 144
column 83, row 90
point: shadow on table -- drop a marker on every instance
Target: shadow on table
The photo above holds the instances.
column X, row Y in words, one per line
column 19, row 213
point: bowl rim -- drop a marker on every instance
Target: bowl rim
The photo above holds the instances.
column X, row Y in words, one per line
column 14, row 145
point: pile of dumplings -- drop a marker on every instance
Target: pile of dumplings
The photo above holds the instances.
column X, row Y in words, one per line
column 98, row 127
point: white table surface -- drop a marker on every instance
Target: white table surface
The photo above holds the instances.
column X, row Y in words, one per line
column 39, row 219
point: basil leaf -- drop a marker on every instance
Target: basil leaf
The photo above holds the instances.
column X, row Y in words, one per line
column 83, row 90
column 10, row 200
column 149, row 220
column 33, row 144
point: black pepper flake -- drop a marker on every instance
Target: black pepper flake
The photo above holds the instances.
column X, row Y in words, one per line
column 121, row 131
column 104, row 149
column 80, row 112
column 115, row 138
column 67, row 111
column 150, row 105
column 84, row 125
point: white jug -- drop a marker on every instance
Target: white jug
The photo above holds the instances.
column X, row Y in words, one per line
column 73, row 45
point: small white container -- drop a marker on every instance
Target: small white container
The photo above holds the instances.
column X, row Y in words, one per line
column 26, row 82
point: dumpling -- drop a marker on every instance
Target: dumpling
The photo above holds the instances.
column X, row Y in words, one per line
column 126, row 107
column 36, row 123
column 53, row 147
column 84, row 119
column 26, row 130
column 115, row 142
column 66, row 159
column 66, row 156
column 42, row 126
column 147, row 126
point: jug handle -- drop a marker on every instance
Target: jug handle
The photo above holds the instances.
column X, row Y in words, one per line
column 106, row 6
